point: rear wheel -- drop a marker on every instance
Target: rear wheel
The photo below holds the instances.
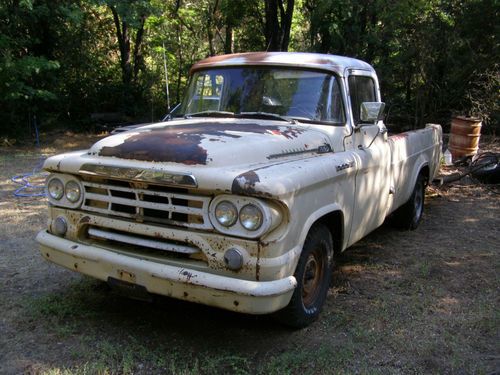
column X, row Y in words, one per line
column 313, row 275
column 409, row 215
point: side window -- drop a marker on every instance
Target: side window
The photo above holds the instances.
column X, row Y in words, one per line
column 361, row 89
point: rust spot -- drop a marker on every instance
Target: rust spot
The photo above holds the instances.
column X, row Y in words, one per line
column 188, row 275
column 292, row 59
column 85, row 220
column 245, row 183
column 257, row 264
column 160, row 147
column 289, row 132
column 262, row 58
column 181, row 144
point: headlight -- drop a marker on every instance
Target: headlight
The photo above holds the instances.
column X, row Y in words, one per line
column 56, row 188
column 226, row 213
column 64, row 190
column 73, row 191
column 251, row 217
column 246, row 217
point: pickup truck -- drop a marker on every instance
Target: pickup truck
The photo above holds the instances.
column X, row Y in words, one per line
column 273, row 163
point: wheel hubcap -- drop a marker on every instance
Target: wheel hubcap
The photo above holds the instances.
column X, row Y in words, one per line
column 313, row 274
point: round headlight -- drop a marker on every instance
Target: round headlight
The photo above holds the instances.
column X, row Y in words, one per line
column 251, row 217
column 226, row 213
column 73, row 191
column 56, row 188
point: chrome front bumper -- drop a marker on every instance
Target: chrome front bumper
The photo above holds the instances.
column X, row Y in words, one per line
column 254, row 297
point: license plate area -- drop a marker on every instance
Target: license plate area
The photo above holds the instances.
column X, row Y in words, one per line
column 130, row 290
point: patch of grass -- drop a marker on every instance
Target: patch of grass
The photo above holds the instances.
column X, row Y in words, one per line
column 225, row 363
column 322, row 360
column 75, row 301
column 66, row 310
column 335, row 318
column 424, row 269
column 132, row 357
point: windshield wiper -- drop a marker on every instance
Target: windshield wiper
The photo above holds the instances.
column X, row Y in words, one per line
column 210, row 114
column 265, row 115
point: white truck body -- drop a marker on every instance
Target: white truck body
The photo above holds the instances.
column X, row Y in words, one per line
column 146, row 215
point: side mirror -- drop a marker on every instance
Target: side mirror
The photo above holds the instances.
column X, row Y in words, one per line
column 371, row 112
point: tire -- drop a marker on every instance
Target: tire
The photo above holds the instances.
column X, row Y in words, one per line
column 409, row 215
column 313, row 274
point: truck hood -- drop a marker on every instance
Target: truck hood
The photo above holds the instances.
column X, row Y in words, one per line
column 213, row 142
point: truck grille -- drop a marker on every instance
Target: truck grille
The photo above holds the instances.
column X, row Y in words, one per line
column 155, row 204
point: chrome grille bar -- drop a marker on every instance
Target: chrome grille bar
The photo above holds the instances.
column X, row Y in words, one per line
column 131, row 240
column 147, row 205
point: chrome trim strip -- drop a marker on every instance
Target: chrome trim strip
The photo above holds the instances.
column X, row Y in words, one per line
column 136, row 174
column 159, row 245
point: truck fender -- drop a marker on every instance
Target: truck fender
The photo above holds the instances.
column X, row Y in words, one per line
column 419, row 165
column 315, row 217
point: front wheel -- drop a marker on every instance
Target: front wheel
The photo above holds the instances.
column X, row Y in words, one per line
column 408, row 216
column 313, row 274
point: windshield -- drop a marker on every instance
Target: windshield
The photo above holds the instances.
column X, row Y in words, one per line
column 289, row 93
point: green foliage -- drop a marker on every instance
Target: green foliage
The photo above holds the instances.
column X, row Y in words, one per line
column 16, row 76
column 63, row 61
column 429, row 54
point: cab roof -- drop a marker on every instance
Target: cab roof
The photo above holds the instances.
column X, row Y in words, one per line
column 332, row 63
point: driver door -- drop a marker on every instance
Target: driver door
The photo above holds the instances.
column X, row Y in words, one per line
column 373, row 159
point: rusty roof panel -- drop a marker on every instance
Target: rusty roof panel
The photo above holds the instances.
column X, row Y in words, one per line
column 333, row 63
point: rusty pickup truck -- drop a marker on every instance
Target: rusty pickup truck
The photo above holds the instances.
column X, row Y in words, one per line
column 273, row 163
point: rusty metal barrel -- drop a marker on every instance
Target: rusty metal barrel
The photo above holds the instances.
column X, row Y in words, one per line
column 464, row 136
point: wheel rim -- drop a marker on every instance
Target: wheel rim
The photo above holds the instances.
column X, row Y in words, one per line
column 419, row 201
column 311, row 281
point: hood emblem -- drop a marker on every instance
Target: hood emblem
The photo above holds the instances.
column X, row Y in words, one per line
column 141, row 175
column 343, row 166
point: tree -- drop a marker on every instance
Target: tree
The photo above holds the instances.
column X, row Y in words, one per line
column 278, row 21
column 129, row 19
column 27, row 63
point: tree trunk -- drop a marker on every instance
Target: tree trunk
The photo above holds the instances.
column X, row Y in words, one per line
column 286, row 23
column 123, row 37
column 210, row 36
column 131, row 62
column 210, row 33
column 228, row 41
column 278, row 22
column 272, row 29
column 138, row 57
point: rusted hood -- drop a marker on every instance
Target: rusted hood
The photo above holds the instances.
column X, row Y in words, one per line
column 213, row 142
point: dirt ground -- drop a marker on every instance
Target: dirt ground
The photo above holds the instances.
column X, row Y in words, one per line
column 425, row 301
